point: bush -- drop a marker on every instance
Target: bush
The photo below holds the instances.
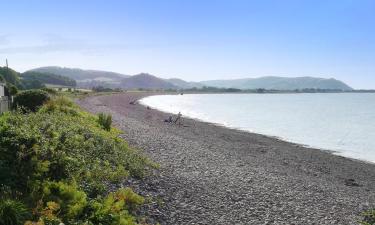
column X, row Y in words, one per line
column 31, row 100
column 31, row 84
column 50, row 91
column 115, row 208
column 105, row 121
column 66, row 198
column 57, row 146
column 13, row 212
column 60, row 163
column 13, row 90
column 369, row 217
column 60, row 104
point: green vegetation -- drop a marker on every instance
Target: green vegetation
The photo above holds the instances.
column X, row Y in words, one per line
column 57, row 164
column 31, row 84
column 13, row 90
column 105, row 89
column 48, row 78
column 105, row 120
column 369, row 217
column 31, row 99
column 13, row 212
column 10, row 76
column 32, row 80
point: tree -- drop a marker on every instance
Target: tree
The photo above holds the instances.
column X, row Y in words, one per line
column 13, row 90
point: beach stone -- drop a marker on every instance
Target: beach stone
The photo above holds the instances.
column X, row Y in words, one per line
column 213, row 175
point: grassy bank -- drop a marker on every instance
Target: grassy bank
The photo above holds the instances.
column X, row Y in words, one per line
column 57, row 164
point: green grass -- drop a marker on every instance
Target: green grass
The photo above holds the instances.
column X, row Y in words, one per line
column 59, row 162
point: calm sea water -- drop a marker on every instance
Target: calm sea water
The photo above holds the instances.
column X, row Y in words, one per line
column 344, row 123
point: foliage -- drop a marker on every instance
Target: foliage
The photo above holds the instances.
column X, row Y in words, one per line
column 31, row 84
column 369, row 217
column 60, row 104
column 66, row 198
column 13, row 90
column 105, row 89
column 105, row 121
column 31, row 99
column 48, row 78
column 10, row 76
column 60, row 162
column 115, row 208
column 50, row 91
column 13, row 212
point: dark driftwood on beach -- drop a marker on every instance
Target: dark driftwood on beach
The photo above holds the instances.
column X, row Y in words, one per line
column 214, row 175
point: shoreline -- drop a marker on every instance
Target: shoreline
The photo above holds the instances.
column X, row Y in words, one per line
column 336, row 152
column 212, row 174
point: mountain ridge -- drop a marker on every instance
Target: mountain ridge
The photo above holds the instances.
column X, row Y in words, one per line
column 146, row 81
column 80, row 74
column 280, row 83
column 92, row 78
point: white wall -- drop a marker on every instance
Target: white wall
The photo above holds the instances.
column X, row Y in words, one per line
column 1, row 90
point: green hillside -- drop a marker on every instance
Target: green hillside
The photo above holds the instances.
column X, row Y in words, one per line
column 9, row 76
column 281, row 83
column 48, row 78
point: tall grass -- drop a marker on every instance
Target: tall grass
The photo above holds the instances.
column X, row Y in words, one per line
column 105, row 120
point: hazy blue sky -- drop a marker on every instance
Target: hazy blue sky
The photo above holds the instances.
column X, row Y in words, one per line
column 195, row 39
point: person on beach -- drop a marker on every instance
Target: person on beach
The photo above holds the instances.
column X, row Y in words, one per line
column 178, row 118
column 169, row 120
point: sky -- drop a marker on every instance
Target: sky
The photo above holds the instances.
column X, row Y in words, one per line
column 194, row 39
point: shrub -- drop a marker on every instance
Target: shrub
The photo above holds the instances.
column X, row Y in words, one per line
column 115, row 208
column 13, row 212
column 60, row 104
column 58, row 146
column 31, row 84
column 13, row 90
column 61, row 164
column 31, row 99
column 105, row 121
column 66, row 198
column 49, row 90
column 369, row 217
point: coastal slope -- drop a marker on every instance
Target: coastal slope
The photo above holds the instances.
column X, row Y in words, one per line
column 281, row 83
column 214, row 175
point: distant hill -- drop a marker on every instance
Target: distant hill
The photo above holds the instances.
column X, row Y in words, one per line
column 146, row 81
column 280, row 83
column 95, row 78
column 48, row 78
column 86, row 78
column 9, row 75
column 184, row 84
column 12, row 77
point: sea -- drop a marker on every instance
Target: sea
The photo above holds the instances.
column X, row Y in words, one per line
column 343, row 123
